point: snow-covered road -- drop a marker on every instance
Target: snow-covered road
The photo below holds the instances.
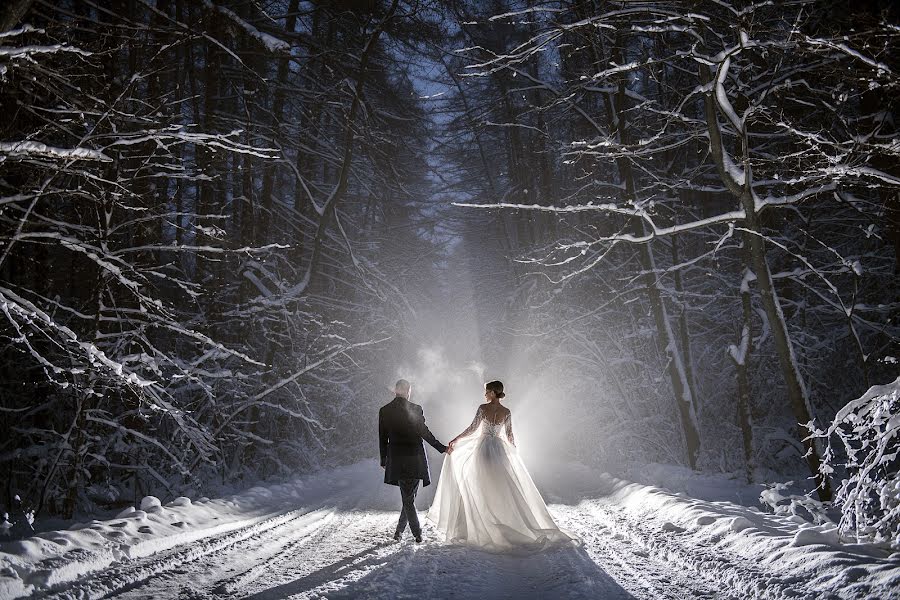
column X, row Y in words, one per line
column 331, row 539
column 342, row 548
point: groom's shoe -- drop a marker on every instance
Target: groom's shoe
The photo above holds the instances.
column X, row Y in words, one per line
column 419, row 539
column 397, row 536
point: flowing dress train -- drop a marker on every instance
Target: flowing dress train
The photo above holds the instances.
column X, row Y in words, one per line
column 486, row 498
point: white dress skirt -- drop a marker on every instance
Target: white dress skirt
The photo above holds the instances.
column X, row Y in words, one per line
column 486, row 498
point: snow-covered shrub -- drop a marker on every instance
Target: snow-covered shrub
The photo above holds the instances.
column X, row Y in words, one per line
column 778, row 498
column 865, row 440
column 19, row 521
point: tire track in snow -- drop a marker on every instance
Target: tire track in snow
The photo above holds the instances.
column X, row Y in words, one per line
column 226, row 573
column 742, row 578
column 172, row 567
column 129, row 575
column 346, row 553
column 629, row 562
column 435, row 570
column 346, row 550
column 292, row 543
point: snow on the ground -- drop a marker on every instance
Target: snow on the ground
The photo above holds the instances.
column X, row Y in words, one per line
column 727, row 487
column 52, row 559
column 328, row 535
column 753, row 554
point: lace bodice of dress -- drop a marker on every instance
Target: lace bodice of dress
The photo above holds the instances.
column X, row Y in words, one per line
column 491, row 428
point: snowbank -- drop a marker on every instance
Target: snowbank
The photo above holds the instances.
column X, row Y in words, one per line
column 753, row 554
column 52, row 559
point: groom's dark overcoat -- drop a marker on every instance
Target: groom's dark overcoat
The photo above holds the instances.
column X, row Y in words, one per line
column 401, row 429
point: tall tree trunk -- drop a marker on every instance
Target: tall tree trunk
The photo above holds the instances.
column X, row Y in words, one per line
column 798, row 397
column 740, row 354
column 681, row 389
column 683, row 329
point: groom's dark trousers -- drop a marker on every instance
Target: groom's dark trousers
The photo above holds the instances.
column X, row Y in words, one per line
column 401, row 430
column 408, row 514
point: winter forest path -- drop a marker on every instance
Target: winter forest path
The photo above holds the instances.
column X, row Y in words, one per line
column 328, row 535
column 340, row 547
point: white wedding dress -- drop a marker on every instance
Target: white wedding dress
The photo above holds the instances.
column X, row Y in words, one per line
column 486, row 498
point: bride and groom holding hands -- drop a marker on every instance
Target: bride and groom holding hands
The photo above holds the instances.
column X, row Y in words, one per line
column 485, row 496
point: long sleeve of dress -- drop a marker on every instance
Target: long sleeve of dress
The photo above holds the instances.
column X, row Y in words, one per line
column 473, row 426
column 509, row 431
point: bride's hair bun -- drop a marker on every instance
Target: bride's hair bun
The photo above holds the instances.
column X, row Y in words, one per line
column 496, row 387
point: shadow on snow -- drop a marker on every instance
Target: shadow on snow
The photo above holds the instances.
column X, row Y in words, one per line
column 453, row 572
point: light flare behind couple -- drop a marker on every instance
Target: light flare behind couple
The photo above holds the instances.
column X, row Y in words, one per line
column 485, row 496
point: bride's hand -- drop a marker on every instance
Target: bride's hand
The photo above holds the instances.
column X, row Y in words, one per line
column 450, row 446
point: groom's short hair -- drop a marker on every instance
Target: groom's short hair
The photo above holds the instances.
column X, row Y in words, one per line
column 402, row 385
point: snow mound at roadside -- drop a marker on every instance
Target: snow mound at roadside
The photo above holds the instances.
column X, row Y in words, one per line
column 52, row 559
column 753, row 554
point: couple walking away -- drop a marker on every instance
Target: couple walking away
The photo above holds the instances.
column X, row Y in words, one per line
column 485, row 496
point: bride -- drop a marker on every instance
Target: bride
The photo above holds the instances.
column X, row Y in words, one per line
column 485, row 496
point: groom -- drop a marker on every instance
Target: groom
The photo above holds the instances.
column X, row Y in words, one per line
column 401, row 429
